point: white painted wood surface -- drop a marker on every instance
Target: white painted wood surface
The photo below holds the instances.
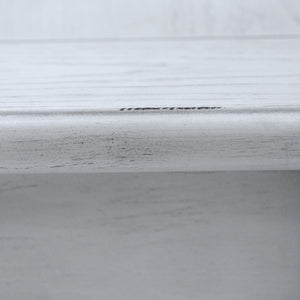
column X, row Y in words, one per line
column 120, row 106
column 150, row 236
column 65, row 19
column 91, row 76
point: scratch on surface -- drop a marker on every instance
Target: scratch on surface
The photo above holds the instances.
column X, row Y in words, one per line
column 17, row 187
column 169, row 108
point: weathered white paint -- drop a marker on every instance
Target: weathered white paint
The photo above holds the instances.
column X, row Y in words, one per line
column 121, row 106
column 150, row 142
column 58, row 19
column 150, row 236
column 98, row 76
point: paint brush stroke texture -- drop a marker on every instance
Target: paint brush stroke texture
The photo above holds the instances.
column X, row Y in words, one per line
column 211, row 236
column 150, row 106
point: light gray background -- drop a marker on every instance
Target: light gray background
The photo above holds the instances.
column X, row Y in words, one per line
column 45, row 19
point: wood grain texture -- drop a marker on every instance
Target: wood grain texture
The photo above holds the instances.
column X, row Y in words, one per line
column 211, row 236
column 61, row 19
column 150, row 106
column 235, row 74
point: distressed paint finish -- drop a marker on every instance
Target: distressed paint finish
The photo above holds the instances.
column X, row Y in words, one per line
column 150, row 142
column 212, row 236
column 98, row 76
column 61, row 19
column 150, row 106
